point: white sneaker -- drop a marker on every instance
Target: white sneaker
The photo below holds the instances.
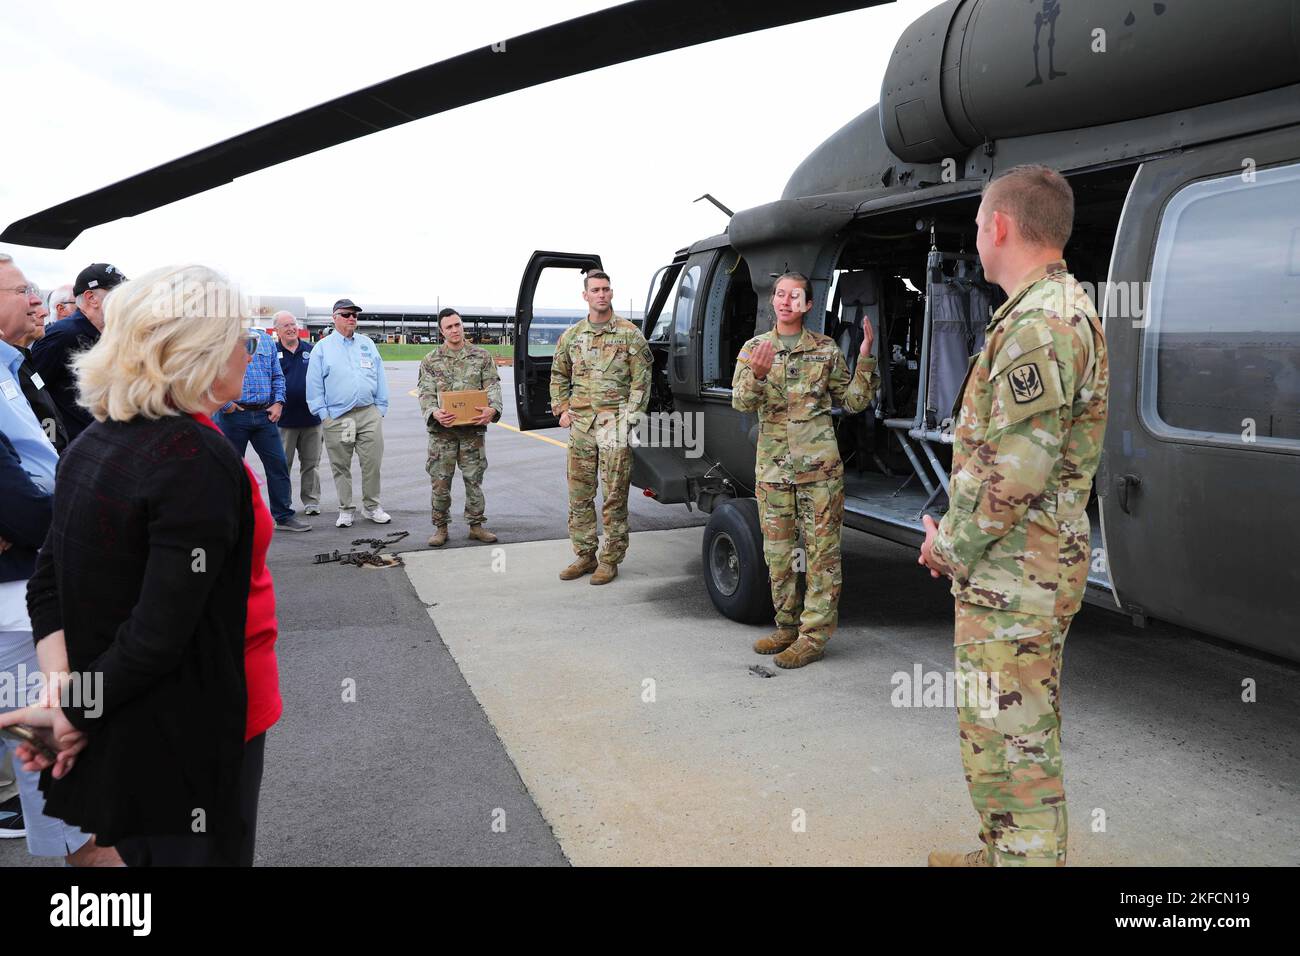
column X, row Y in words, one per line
column 311, row 510
column 379, row 516
column 345, row 520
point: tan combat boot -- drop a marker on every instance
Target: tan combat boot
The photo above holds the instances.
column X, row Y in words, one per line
column 584, row 564
column 479, row 533
column 438, row 538
column 605, row 573
column 799, row 654
column 978, row 857
column 777, row 641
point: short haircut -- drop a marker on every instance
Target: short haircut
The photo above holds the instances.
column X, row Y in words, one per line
column 444, row 313
column 5, row 257
column 797, row 277
column 1039, row 199
column 60, row 296
column 595, row 274
column 168, row 336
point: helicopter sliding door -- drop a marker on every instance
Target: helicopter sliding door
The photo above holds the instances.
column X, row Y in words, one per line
column 557, row 274
column 1202, row 454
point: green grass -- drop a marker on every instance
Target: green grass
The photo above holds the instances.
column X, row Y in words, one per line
column 399, row 353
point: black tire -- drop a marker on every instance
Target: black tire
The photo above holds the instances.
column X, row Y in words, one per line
column 735, row 573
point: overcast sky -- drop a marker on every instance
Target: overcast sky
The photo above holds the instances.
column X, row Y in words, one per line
column 447, row 208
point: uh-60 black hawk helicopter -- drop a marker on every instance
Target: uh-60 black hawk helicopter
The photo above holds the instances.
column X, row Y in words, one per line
column 1178, row 125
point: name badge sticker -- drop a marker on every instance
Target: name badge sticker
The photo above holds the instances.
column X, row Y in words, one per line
column 366, row 363
column 37, row 380
column 10, row 389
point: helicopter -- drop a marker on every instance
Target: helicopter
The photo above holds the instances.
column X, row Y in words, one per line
column 1187, row 230
column 1187, row 236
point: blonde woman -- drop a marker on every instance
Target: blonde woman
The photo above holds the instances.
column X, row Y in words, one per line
column 152, row 588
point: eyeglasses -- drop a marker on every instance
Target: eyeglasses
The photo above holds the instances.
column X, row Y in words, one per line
column 250, row 342
column 346, row 315
column 22, row 290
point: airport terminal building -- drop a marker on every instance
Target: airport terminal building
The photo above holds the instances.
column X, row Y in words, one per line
column 418, row 324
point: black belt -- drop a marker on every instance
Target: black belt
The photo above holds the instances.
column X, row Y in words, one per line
column 252, row 408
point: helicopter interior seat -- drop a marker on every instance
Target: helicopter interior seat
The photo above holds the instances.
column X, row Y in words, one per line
column 957, row 304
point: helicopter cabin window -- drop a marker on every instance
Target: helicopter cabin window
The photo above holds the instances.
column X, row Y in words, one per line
column 729, row 319
column 1222, row 348
column 683, row 309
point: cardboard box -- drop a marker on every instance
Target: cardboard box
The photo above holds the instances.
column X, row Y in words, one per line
column 464, row 405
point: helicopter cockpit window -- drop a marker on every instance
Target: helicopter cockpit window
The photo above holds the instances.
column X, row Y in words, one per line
column 683, row 308
column 1222, row 345
column 664, row 324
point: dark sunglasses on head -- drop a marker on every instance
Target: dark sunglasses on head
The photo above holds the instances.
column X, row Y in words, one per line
column 250, row 342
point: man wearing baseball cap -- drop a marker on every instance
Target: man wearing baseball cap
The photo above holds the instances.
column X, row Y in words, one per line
column 347, row 391
column 76, row 333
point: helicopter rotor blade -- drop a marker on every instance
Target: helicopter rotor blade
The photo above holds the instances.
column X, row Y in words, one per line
column 626, row 32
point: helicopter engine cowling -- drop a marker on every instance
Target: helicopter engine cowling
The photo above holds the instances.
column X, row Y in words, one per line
column 969, row 71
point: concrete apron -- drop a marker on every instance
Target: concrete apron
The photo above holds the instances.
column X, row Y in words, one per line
column 633, row 720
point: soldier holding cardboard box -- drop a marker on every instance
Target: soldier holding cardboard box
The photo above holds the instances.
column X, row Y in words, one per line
column 456, row 438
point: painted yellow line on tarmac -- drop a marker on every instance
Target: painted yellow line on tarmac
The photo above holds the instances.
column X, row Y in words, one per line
column 531, row 434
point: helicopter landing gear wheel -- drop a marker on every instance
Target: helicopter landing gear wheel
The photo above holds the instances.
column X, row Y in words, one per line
column 735, row 573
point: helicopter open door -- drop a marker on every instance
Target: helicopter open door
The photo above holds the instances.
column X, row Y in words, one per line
column 535, row 337
column 1202, row 450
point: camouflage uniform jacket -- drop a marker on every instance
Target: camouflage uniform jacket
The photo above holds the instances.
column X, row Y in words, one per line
column 468, row 368
column 600, row 368
column 796, row 439
column 1025, row 448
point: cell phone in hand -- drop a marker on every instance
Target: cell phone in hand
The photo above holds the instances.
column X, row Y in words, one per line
column 25, row 734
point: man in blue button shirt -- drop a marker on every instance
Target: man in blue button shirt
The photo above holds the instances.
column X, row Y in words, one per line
column 347, row 389
column 253, row 419
column 27, row 464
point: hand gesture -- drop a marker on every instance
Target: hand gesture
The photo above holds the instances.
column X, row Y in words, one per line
column 868, row 338
column 927, row 559
column 760, row 359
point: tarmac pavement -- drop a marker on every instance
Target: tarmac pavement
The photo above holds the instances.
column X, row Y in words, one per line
column 500, row 717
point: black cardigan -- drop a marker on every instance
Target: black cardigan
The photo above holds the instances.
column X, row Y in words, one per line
column 146, row 569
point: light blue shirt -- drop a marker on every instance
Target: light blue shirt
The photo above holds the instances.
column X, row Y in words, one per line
column 18, row 422
column 344, row 374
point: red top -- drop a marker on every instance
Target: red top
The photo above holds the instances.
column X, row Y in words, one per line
column 261, row 672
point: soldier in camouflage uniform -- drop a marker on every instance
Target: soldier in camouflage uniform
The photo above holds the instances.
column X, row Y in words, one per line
column 1015, row 540
column 790, row 376
column 600, row 386
column 453, row 367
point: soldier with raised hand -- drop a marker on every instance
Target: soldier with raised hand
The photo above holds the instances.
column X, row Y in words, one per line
column 600, row 386
column 791, row 376
column 1015, row 540
column 457, row 366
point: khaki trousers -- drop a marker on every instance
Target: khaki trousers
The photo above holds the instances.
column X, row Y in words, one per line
column 360, row 430
column 304, row 442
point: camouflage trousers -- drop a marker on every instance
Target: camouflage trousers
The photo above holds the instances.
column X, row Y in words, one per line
column 448, row 448
column 609, row 463
column 1013, row 759
column 801, row 542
